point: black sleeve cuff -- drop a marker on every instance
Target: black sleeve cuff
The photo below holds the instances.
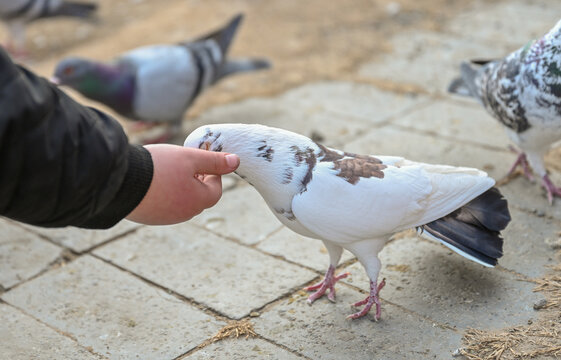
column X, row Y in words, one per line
column 135, row 185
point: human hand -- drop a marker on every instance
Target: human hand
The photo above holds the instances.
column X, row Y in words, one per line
column 185, row 182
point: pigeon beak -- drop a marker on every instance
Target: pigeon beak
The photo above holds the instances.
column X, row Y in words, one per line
column 55, row 80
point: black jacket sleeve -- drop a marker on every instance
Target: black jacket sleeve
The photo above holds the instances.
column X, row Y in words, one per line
column 62, row 163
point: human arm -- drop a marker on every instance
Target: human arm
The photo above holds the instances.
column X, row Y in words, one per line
column 178, row 190
column 63, row 164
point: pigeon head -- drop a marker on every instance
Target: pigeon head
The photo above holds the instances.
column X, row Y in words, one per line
column 109, row 83
column 273, row 160
column 73, row 71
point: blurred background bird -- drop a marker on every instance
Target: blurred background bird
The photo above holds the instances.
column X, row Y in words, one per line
column 157, row 84
column 17, row 13
column 522, row 91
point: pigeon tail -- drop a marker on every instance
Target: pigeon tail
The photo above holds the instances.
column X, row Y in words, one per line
column 465, row 84
column 474, row 229
column 225, row 35
column 243, row 65
column 458, row 87
column 75, row 9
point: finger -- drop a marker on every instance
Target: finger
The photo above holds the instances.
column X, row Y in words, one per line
column 212, row 189
column 208, row 162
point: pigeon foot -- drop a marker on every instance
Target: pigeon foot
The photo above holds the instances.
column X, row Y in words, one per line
column 370, row 301
column 327, row 283
column 551, row 189
column 522, row 161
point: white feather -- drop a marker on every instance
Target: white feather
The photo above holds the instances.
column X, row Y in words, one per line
column 407, row 196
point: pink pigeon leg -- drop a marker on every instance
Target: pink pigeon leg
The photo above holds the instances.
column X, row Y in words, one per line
column 327, row 283
column 522, row 161
column 551, row 189
column 369, row 301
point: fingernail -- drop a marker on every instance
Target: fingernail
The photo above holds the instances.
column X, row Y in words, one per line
column 232, row 160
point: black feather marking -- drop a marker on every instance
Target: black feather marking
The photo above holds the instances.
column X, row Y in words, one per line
column 307, row 156
column 287, row 175
column 265, row 151
column 475, row 227
column 201, row 70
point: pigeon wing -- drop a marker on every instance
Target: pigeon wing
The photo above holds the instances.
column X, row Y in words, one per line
column 407, row 195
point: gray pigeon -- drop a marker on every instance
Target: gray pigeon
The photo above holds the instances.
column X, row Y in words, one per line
column 17, row 13
column 523, row 91
column 157, row 84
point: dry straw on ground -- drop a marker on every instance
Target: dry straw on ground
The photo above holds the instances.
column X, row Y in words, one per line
column 540, row 339
column 235, row 329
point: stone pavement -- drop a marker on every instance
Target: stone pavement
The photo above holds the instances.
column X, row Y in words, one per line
column 139, row 292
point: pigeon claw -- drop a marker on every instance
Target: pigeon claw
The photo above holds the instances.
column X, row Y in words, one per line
column 551, row 189
column 523, row 162
column 328, row 283
column 370, row 300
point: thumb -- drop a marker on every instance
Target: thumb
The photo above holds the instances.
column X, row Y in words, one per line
column 216, row 163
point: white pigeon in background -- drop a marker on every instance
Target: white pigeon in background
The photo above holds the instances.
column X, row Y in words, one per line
column 357, row 202
column 157, row 84
column 522, row 91
column 17, row 13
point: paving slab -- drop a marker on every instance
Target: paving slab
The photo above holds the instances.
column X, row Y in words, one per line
column 114, row 313
column 229, row 278
column 526, row 249
column 242, row 348
column 531, row 196
column 336, row 111
column 241, row 214
column 359, row 100
column 81, row 240
column 453, row 119
column 25, row 338
column 435, row 282
column 427, row 59
column 22, row 254
column 505, row 22
column 299, row 249
column 389, row 140
column 312, row 121
column 321, row 331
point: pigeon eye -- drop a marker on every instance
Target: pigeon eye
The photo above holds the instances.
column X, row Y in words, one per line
column 68, row 71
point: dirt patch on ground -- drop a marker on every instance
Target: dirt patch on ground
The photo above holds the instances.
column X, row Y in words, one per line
column 539, row 339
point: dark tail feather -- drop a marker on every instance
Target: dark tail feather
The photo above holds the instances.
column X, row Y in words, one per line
column 75, row 9
column 474, row 229
column 465, row 85
column 225, row 35
column 458, row 87
column 243, row 65
column 481, row 61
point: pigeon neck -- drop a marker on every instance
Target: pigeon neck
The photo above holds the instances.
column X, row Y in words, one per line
column 278, row 170
column 110, row 85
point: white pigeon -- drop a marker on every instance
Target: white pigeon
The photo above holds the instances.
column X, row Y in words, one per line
column 17, row 13
column 357, row 202
column 156, row 84
column 523, row 92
